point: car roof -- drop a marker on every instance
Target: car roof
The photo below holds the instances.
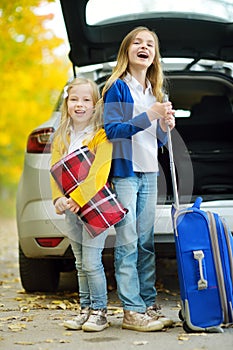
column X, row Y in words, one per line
column 181, row 34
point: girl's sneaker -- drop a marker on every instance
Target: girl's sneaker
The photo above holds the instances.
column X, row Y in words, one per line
column 140, row 322
column 96, row 322
column 77, row 322
column 154, row 311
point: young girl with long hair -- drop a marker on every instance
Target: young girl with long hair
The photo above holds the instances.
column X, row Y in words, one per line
column 81, row 124
column 136, row 117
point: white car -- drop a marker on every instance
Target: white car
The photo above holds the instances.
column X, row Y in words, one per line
column 197, row 55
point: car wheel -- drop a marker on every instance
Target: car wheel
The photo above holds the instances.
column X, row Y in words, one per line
column 38, row 275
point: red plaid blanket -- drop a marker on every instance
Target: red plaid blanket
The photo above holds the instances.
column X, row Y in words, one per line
column 103, row 210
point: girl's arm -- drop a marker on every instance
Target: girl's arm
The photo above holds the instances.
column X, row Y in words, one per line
column 118, row 112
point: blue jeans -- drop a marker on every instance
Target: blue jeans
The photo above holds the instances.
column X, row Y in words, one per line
column 134, row 250
column 88, row 261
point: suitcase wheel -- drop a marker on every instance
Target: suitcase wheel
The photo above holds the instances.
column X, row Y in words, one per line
column 180, row 315
column 187, row 329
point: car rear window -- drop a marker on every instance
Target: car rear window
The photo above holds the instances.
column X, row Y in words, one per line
column 105, row 11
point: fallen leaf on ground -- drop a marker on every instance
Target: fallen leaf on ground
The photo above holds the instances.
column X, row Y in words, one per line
column 140, row 342
column 59, row 304
column 29, row 318
column 49, row 341
column 9, row 318
column 63, row 341
column 16, row 327
column 183, row 337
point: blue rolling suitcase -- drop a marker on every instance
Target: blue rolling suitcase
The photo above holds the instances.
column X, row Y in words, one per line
column 204, row 246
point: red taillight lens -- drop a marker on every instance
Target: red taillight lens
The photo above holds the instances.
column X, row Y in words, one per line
column 39, row 141
column 49, row 242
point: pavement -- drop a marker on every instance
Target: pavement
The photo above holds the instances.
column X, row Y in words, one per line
column 35, row 320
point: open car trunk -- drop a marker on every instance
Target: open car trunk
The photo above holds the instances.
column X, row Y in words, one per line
column 203, row 140
column 202, row 96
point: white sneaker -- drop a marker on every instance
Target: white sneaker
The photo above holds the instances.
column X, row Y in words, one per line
column 77, row 322
column 96, row 322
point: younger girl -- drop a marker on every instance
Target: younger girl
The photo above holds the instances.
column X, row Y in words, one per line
column 136, row 120
column 81, row 124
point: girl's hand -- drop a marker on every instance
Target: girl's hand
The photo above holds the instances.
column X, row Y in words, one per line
column 61, row 205
column 160, row 110
column 168, row 120
column 72, row 205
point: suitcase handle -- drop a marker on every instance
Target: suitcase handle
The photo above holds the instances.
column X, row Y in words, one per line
column 199, row 256
column 172, row 168
column 197, row 203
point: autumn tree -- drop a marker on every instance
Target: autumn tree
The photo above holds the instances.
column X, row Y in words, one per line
column 32, row 76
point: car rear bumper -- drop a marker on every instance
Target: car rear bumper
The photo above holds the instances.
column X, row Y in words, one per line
column 39, row 220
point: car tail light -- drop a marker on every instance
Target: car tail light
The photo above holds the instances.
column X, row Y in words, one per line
column 49, row 242
column 39, row 141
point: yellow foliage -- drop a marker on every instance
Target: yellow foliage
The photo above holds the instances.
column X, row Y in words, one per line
column 32, row 77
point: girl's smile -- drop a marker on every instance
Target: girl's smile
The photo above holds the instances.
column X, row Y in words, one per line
column 80, row 112
column 143, row 54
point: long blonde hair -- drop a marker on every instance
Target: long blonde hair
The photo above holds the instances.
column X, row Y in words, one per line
column 154, row 72
column 63, row 131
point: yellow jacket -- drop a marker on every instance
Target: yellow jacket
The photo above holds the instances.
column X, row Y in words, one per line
column 98, row 173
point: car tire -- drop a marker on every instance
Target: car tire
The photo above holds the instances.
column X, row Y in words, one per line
column 38, row 275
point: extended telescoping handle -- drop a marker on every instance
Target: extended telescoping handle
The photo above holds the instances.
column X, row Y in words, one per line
column 172, row 168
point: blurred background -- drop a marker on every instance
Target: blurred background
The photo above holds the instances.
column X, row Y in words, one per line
column 34, row 67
